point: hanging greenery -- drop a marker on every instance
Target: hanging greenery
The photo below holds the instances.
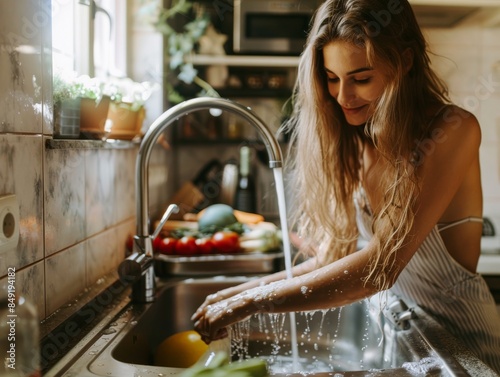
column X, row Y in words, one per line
column 181, row 44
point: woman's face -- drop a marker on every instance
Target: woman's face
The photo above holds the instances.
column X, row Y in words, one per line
column 351, row 80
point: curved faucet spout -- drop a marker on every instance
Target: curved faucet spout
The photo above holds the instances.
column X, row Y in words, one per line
column 160, row 125
column 143, row 289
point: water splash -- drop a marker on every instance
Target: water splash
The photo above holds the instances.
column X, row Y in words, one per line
column 240, row 335
column 424, row 366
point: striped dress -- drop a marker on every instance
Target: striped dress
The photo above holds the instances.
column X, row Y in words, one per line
column 457, row 298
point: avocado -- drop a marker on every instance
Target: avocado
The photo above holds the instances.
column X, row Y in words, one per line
column 216, row 217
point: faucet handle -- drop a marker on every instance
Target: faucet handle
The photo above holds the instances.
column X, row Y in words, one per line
column 131, row 269
column 172, row 208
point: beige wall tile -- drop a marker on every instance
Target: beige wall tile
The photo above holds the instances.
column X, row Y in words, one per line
column 21, row 74
column 64, row 277
column 29, row 282
column 64, row 196
column 105, row 251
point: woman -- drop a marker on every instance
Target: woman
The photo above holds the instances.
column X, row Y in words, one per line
column 379, row 152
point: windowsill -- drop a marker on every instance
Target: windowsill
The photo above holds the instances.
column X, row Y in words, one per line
column 90, row 144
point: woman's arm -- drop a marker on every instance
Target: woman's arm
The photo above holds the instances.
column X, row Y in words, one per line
column 441, row 174
column 297, row 270
column 336, row 284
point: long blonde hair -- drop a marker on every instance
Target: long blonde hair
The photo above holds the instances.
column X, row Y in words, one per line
column 326, row 151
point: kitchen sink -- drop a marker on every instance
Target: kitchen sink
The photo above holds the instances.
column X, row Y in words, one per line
column 355, row 340
column 341, row 339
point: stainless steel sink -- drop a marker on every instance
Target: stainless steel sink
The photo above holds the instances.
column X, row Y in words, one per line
column 356, row 340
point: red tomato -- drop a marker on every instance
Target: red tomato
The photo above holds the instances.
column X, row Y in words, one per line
column 205, row 245
column 165, row 245
column 186, row 246
column 129, row 243
column 226, row 242
column 156, row 243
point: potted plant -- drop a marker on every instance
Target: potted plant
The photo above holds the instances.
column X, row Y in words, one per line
column 66, row 100
column 126, row 111
column 94, row 106
column 80, row 105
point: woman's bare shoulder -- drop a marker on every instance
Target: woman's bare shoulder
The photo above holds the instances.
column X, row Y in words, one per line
column 453, row 126
column 455, row 120
column 453, row 129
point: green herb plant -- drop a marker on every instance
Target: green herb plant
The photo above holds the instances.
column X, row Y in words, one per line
column 181, row 44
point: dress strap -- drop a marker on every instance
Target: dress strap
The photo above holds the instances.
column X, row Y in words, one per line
column 470, row 219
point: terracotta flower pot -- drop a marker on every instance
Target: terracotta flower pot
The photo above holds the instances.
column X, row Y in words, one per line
column 125, row 122
column 93, row 117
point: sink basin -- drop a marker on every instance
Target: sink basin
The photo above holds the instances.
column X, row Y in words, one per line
column 343, row 339
column 356, row 340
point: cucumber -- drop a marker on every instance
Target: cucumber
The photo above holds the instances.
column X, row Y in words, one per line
column 252, row 367
column 216, row 217
column 205, row 368
column 219, row 366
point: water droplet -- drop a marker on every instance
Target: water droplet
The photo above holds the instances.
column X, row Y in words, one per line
column 215, row 112
column 346, row 272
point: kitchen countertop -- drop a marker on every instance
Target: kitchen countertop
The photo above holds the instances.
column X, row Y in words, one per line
column 489, row 264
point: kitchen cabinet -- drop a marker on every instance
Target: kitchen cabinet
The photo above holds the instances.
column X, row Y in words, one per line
column 256, row 81
column 450, row 13
column 475, row 3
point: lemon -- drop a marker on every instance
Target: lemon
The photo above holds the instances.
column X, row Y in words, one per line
column 180, row 350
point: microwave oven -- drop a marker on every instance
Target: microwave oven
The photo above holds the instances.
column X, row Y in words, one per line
column 277, row 27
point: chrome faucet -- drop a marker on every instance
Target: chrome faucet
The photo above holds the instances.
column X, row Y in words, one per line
column 139, row 266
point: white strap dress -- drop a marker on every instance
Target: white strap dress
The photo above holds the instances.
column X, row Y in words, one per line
column 457, row 298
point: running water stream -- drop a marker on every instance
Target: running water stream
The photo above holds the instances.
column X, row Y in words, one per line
column 280, row 191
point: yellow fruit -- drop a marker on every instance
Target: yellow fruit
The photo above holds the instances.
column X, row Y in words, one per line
column 180, row 350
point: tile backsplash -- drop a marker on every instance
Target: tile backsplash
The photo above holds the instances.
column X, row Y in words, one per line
column 77, row 206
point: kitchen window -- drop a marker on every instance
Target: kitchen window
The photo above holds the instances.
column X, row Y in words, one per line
column 89, row 37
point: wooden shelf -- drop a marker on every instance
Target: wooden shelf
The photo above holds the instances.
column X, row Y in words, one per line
column 246, row 60
column 254, row 93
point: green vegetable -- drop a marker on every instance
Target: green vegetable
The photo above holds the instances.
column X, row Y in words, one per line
column 252, row 367
column 261, row 240
column 181, row 232
column 216, row 217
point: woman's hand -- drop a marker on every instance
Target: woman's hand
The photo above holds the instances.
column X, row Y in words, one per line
column 221, row 295
column 213, row 316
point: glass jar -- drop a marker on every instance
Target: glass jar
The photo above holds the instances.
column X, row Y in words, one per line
column 19, row 333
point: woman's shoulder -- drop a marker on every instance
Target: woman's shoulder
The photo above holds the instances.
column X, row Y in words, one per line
column 452, row 121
